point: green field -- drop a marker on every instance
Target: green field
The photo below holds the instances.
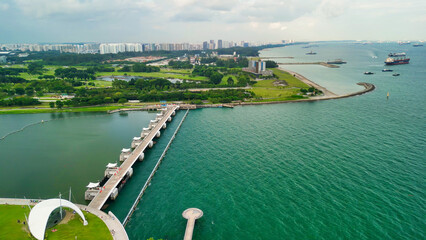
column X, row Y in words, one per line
column 11, row 229
column 225, row 79
column 184, row 74
column 266, row 89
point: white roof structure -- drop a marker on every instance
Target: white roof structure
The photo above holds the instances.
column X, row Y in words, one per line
column 39, row 215
column 92, row 185
column 111, row 165
column 125, row 150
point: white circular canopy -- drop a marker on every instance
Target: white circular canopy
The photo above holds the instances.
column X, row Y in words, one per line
column 39, row 215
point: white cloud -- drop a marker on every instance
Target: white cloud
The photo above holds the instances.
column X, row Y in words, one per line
column 4, row 6
column 196, row 20
column 277, row 26
column 43, row 8
column 333, row 8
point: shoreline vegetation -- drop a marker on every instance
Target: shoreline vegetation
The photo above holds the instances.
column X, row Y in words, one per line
column 205, row 80
column 328, row 95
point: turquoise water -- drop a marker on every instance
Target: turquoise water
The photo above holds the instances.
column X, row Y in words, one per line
column 339, row 169
column 342, row 169
column 68, row 150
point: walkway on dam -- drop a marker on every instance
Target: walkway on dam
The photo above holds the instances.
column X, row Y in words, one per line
column 114, row 180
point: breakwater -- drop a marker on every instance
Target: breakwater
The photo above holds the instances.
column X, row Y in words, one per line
column 312, row 63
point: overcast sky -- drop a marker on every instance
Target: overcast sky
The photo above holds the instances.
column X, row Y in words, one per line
column 34, row 21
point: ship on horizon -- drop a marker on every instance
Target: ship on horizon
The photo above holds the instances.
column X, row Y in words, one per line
column 397, row 61
column 401, row 54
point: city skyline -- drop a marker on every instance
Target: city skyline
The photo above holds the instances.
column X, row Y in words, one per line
column 72, row 21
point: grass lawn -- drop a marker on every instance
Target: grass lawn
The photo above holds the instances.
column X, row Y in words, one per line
column 155, row 75
column 183, row 74
column 292, row 81
column 269, row 92
column 11, row 229
column 181, row 71
column 225, row 79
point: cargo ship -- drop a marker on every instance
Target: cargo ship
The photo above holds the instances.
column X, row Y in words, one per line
column 418, row 45
column 397, row 61
column 311, row 53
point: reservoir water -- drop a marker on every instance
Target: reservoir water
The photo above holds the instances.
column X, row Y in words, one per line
column 340, row 169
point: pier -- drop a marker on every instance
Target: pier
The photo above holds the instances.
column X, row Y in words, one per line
column 311, row 63
column 110, row 186
column 191, row 214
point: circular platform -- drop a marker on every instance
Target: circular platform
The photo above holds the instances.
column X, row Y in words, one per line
column 194, row 213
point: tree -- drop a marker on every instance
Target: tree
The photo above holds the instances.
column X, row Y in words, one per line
column 29, row 91
column 20, row 91
column 108, row 100
column 52, row 105
column 230, row 81
column 243, row 79
column 59, row 104
column 216, row 78
column 125, row 68
column 122, row 101
column 35, row 68
column 271, row 64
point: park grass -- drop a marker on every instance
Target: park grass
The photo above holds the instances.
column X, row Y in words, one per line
column 74, row 229
column 184, row 74
column 11, row 229
column 225, row 79
column 180, row 71
column 290, row 79
column 154, row 75
column 266, row 89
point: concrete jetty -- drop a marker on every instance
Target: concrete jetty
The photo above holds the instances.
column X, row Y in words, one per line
column 311, row 63
column 191, row 214
column 110, row 186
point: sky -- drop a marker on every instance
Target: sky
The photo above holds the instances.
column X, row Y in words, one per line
column 60, row 21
